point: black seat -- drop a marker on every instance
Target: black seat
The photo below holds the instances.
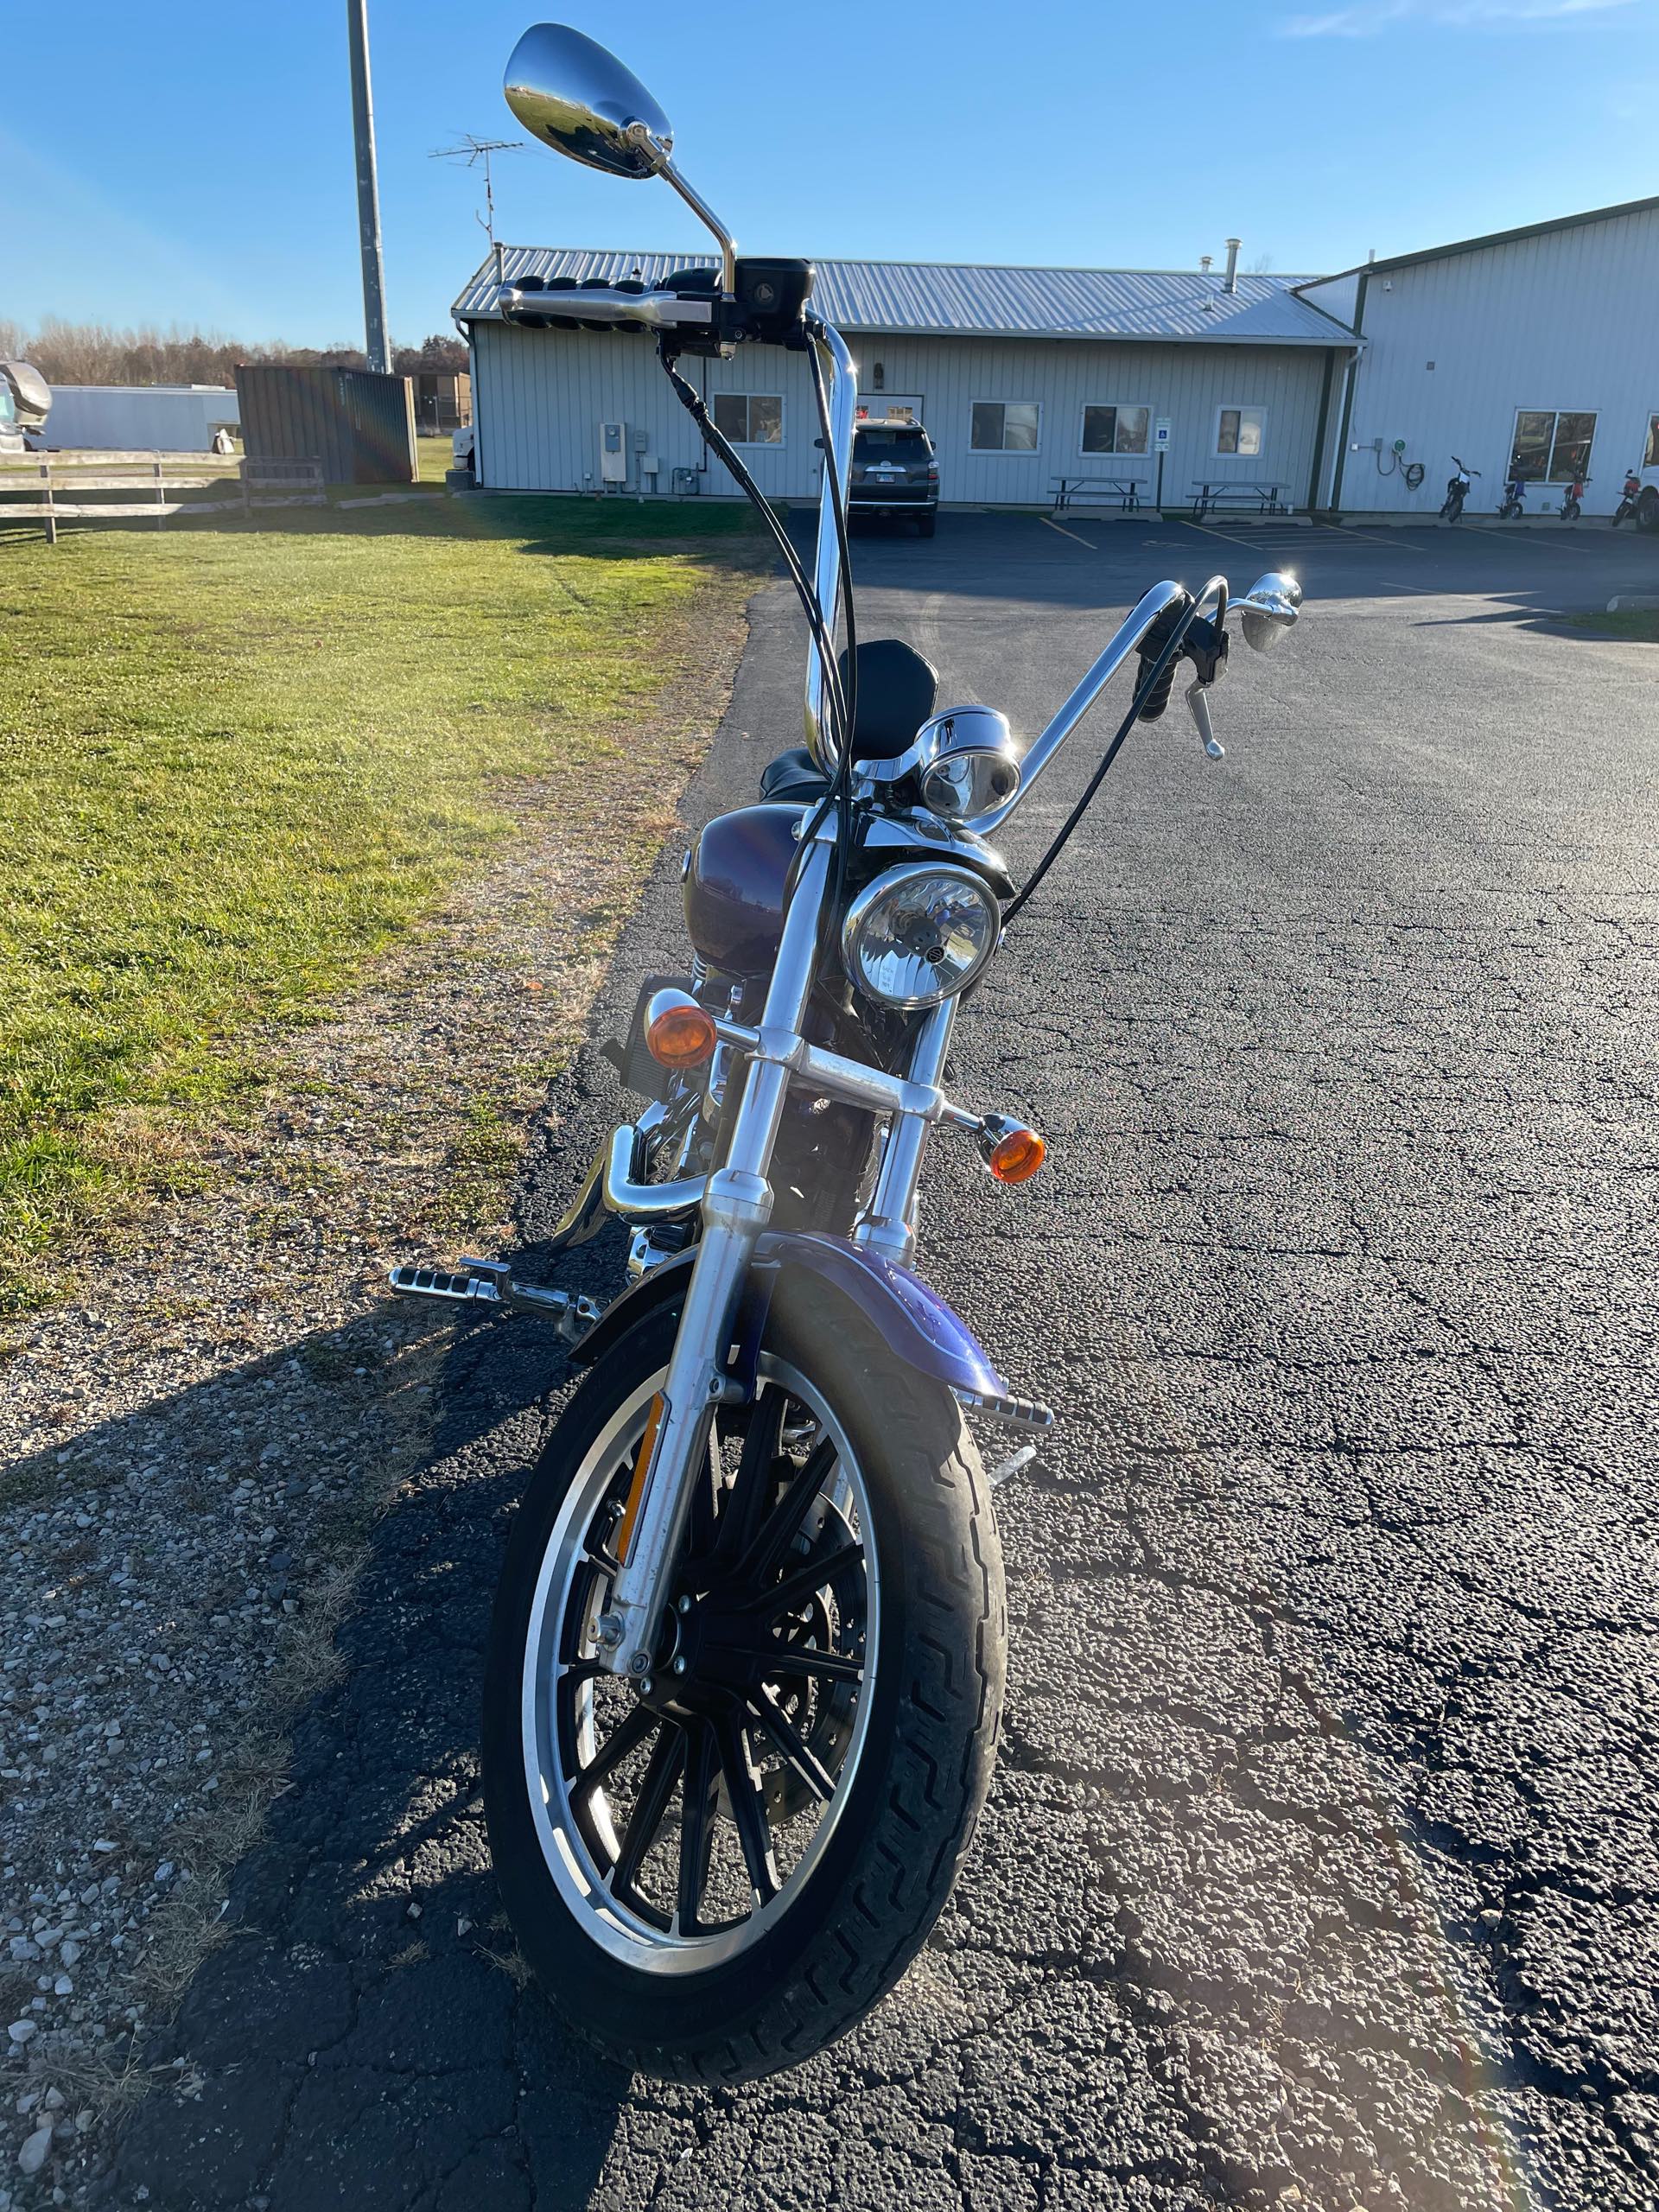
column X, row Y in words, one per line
column 793, row 774
column 897, row 690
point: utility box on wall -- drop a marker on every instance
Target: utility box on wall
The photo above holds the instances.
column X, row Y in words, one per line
column 613, row 453
column 358, row 423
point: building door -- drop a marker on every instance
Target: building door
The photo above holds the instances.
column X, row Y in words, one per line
column 889, row 407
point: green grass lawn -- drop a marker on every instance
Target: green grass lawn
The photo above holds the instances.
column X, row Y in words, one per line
column 236, row 761
column 1639, row 624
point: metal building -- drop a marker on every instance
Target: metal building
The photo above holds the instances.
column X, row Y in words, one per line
column 1531, row 352
column 1022, row 376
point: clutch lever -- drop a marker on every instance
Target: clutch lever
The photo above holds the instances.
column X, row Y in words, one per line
column 1198, row 701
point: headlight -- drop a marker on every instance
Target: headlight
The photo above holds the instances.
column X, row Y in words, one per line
column 968, row 762
column 919, row 934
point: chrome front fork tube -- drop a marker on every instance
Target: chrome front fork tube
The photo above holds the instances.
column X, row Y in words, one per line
column 735, row 1209
column 888, row 1224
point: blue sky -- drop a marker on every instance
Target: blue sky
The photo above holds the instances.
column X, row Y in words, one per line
column 192, row 163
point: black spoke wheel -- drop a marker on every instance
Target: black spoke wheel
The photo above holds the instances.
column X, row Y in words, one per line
column 718, row 1868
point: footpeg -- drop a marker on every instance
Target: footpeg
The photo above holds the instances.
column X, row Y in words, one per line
column 1016, row 1413
column 490, row 1283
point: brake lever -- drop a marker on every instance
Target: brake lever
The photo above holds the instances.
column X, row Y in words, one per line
column 1198, row 700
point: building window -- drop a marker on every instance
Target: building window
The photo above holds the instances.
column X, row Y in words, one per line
column 1650, row 458
column 1005, row 425
column 1241, row 431
column 1115, row 430
column 749, row 418
column 1551, row 448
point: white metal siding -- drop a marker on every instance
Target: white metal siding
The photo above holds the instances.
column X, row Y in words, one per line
column 540, row 396
column 122, row 418
column 1567, row 319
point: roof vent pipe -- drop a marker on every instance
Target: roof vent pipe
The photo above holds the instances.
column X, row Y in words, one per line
column 1229, row 283
column 1204, row 260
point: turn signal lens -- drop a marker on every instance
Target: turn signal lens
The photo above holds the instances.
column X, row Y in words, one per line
column 679, row 1034
column 1013, row 1152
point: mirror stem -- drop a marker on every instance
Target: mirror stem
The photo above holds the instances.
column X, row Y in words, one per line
column 706, row 214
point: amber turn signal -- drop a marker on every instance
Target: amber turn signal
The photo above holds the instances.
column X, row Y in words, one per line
column 679, row 1034
column 1013, row 1152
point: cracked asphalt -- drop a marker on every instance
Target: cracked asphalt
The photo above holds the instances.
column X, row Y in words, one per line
column 1321, row 1867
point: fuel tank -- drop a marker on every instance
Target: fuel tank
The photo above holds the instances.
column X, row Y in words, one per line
column 735, row 888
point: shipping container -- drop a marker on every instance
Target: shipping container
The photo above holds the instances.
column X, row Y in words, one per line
column 358, row 424
column 443, row 400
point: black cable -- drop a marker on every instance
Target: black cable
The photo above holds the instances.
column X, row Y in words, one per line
column 692, row 401
column 1143, row 691
column 841, row 786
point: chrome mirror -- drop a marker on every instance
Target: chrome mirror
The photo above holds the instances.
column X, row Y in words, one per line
column 1268, row 609
column 579, row 99
column 968, row 762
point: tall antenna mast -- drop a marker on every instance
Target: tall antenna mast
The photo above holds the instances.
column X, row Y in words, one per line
column 474, row 152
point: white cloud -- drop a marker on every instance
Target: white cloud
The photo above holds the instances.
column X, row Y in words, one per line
column 1366, row 20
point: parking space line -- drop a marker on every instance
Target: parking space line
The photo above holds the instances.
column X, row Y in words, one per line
column 1524, row 537
column 1072, row 534
column 1225, row 536
column 1374, row 536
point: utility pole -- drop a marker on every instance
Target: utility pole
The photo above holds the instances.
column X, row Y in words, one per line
column 368, row 189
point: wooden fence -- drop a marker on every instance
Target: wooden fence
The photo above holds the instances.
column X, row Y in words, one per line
column 147, row 484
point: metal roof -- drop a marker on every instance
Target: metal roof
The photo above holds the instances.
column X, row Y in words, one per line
column 1491, row 238
column 945, row 298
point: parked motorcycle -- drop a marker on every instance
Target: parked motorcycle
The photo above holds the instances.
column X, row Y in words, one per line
column 747, row 1654
column 1513, row 505
column 1572, row 504
column 1457, row 488
column 1629, row 497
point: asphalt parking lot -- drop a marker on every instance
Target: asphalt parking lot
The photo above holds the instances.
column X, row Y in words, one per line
column 1322, row 1864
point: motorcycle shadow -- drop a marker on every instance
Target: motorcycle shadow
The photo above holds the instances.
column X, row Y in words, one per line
column 367, row 2032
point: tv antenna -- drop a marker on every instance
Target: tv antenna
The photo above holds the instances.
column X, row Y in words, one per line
column 476, row 152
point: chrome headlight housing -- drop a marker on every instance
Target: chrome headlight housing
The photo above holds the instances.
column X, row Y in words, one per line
column 967, row 762
column 919, row 934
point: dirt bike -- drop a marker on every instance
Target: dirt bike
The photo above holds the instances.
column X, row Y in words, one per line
column 1572, row 504
column 1513, row 505
column 748, row 1650
column 1457, row 488
column 1629, row 497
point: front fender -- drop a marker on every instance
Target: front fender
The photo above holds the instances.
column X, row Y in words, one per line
column 911, row 1318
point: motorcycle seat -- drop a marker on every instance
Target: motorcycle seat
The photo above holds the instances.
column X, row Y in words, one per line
column 897, row 690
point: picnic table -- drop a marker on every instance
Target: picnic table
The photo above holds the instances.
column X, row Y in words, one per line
column 1264, row 498
column 1095, row 491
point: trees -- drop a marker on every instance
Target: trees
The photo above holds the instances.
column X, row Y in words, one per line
column 98, row 352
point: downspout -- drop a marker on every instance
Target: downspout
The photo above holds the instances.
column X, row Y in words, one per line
column 1318, row 433
column 465, row 325
column 1348, row 397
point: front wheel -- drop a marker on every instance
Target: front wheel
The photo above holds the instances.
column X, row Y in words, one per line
column 718, row 1873
column 1647, row 511
column 1572, row 510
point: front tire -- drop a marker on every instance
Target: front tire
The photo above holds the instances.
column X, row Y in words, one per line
column 1647, row 511
column 814, row 1813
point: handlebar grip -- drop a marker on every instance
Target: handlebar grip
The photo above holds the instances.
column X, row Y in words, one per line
column 1158, row 698
column 1151, row 645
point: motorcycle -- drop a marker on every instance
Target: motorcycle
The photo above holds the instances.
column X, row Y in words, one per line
column 748, row 1652
column 1629, row 497
column 1457, row 488
column 1572, row 504
column 1513, row 504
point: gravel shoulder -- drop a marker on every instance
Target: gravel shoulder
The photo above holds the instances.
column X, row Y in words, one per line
column 195, row 1447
